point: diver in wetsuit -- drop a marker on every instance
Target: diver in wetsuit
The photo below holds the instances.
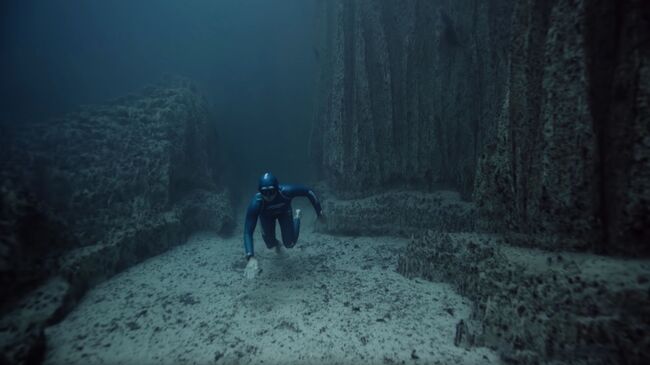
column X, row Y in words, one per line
column 271, row 203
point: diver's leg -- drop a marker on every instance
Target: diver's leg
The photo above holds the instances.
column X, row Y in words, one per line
column 268, row 231
column 289, row 236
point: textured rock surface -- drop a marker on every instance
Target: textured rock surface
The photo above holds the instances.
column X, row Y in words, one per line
column 537, row 108
column 31, row 238
column 21, row 330
column 536, row 306
column 399, row 213
column 571, row 157
column 407, row 89
column 118, row 183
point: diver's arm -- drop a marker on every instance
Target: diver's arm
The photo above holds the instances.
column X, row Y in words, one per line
column 301, row 190
column 249, row 227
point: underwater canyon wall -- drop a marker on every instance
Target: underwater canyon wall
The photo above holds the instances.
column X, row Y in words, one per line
column 405, row 88
column 537, row 110
column 570, row 163
column 95, row 191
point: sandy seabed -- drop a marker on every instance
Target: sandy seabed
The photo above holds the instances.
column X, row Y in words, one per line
column 329, row 300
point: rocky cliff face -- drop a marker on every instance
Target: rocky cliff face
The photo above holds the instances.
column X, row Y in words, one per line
column 537, row 109
column 570, row 163
column 95, row 191
column 540, row 307
column 398, row 213
column 408, row 91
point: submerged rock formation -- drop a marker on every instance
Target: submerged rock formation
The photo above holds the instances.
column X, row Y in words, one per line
column 571, row 159
column 95, row 191
column 539, row 306
column 535, row 110
column 538, row 109
column 398, row 213
column 408, row 90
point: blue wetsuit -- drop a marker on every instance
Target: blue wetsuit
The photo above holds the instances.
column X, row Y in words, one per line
column 279, row 208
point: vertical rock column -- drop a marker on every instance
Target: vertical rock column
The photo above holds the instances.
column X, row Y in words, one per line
column 569, row 162
column 404, row 90
column 624, row 131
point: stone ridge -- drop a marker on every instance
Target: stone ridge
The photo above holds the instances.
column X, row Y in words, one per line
column 116, row 183
column 398, row 213
column 539, row 306
column 124, row 160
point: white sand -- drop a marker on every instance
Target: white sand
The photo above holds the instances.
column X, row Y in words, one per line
column 329, row 300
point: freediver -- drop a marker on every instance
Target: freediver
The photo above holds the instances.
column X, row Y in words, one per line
column 271, row 203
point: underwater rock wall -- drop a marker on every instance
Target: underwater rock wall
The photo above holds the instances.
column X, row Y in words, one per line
column 31, row 236
column 570, row 163
column 538, row 110
column 408, row 90
column 117, row 183
column 540, row 307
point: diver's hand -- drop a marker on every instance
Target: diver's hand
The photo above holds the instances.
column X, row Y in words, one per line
column 321, row 217
column 252, row 268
